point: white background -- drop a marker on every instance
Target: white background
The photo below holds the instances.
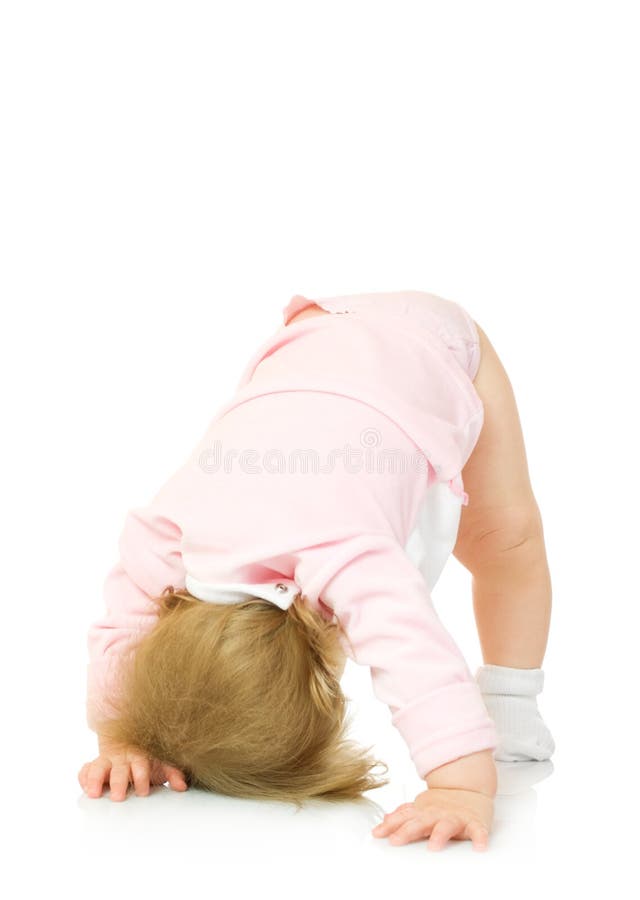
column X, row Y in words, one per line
column 171, row 174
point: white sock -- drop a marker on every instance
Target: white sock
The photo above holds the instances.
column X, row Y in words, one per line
column 510, row 697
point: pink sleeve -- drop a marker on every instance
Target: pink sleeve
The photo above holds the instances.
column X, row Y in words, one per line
column 150, row 560
column 384, row 606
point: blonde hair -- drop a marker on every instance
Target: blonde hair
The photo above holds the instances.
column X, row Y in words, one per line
column 244, row 698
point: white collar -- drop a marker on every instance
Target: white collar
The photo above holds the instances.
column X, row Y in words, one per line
column 281, row 592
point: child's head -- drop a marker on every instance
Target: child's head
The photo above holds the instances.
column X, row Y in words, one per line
column 244, row 698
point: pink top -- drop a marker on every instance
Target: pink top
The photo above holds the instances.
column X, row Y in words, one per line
column 314, row 475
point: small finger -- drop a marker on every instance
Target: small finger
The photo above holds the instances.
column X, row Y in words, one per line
column 442, row 832
column 176, row 778
column 140, row 774
column 478, row 834
column 413, row 830
column 119, row 781
column 163, row 772
column 393, row 820
column 96, row 776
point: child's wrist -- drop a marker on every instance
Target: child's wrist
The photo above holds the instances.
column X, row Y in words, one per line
column 475, row 772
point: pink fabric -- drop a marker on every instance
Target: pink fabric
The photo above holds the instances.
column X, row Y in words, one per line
column 363, row 397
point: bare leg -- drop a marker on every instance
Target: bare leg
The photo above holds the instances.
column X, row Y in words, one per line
column 512, row 605
column 501, row 540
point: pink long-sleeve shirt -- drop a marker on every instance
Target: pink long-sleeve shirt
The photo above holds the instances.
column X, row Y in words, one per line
column 316, row 474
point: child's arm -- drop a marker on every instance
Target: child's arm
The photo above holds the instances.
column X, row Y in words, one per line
column 383, row 604
column 150, row 560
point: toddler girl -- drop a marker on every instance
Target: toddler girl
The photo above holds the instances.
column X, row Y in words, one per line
column 370, row 436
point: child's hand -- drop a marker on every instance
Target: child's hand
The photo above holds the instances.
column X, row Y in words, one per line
column 442, row 813
column 120, row 766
